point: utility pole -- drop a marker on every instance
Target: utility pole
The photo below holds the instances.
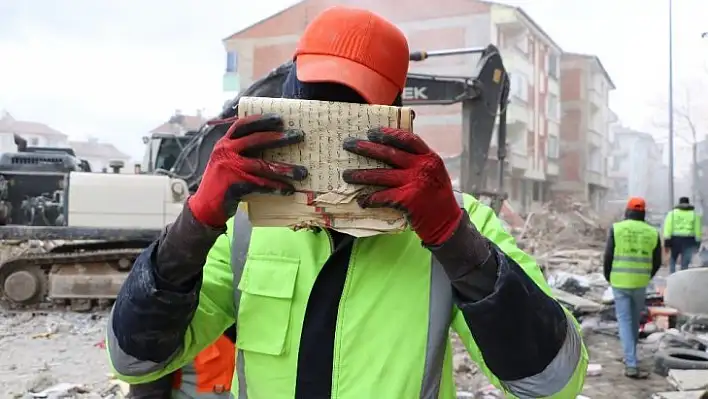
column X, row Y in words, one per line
column 671, row 106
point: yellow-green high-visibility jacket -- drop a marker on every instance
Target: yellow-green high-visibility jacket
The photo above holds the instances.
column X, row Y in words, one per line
column 395, row 314
column 682, row 223
column 632, row 261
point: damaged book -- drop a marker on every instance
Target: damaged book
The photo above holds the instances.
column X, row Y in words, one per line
column 323, row 199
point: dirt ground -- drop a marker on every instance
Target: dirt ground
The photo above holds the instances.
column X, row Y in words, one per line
column 40, row 350
column 611, row 383
column 606, row 350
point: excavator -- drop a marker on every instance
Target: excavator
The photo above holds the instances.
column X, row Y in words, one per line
column 107, row 219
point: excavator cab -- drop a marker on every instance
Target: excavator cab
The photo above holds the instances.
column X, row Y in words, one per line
column 162, row 151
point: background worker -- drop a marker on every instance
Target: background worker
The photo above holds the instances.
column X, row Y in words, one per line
column 632, row 258
column 682, row 233
column 209, row 376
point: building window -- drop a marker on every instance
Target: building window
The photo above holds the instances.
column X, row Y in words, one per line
column 553, row 150
column 520, row 86
column 537, row 191
column 595, row 160
column 522, row 44
column 231, row 61
column 552, row 62
column 553, row 107
column 616, row 163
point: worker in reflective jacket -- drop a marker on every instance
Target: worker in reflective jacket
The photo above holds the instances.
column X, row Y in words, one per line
column 322, row 314
column 208, row 376
column 632, row 258
column 682, row 233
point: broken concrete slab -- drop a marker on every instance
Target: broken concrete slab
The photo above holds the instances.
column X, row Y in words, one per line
column 577, row 305
column 685, row 291
column 61, row 390
column 688, row 380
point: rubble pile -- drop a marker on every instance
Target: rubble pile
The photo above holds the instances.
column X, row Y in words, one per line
column 564, row 234
column 50, row 354
column 11, row 249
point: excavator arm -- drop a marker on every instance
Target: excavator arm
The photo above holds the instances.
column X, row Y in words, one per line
column 483, row 97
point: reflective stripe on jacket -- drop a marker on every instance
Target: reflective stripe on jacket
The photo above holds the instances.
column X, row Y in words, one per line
column 632, row 261
column 682, row 223
column 209, row 376
column 391, row 281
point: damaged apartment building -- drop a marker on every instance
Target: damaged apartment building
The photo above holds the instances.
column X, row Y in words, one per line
column 585, row 129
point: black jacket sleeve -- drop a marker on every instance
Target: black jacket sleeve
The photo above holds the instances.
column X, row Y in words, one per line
column 161, row 388
column 160, row 295
column 656, row 258
column 470, row 261
column 609, row 255
column 518, row 328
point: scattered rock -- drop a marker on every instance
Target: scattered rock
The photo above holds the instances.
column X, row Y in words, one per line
column 39, row 351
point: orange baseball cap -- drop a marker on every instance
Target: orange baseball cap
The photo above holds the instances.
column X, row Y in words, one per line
column 636, row 204
column 355, row 48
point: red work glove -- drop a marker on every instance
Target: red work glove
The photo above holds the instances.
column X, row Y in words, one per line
column 231, row 174
column 418, row 185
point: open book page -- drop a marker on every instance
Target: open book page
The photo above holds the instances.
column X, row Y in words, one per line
column 324, row 199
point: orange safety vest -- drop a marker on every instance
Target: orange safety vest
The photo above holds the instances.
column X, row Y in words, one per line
column 210, row 374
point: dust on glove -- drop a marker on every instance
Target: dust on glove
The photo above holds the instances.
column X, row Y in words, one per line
column 232, row 171
column 418, row 184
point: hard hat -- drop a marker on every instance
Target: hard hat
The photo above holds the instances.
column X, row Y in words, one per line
column 636, row 204
column 355, row 48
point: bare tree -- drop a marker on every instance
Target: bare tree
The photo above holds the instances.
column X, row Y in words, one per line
column 690, row 127
column 688, row 130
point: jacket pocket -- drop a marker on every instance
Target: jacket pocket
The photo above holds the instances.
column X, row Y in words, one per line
column 267, row 287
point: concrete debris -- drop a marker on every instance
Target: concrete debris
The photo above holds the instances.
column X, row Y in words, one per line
column 486, row 392
column 577, row 304
column 62, row 390
column 10, row 249
column 686, row 291
column 559, row 225
column 594, row 370
column 64, row 352
column 688, row 380
column 564, row 235
column 578, row 261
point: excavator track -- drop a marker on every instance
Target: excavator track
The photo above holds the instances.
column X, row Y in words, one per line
column 81, row 280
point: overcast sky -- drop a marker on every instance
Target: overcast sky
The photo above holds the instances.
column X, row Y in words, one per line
column 116, row 69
